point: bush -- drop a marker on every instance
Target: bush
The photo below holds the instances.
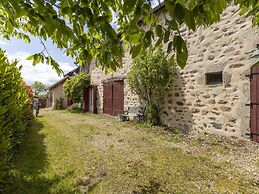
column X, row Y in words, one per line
column 151, row 77
column 74, row 87
column 14, row 113
column 29, row 113
column 75, row 108
column 59, row 104
column 152, row 114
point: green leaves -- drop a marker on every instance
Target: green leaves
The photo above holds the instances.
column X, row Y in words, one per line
column 14, row 113
column 90, row 25
column 181, row 51
column 8, row 26
column 159, row 30
column 38, row 87
column 109, row 30
column 74, row 87
column 151, row 75
column 36, row 58
column 134, row 37
column 128, row 6
column 134, row 51
column 189, row 20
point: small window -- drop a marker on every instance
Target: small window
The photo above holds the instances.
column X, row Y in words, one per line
column 214, row 78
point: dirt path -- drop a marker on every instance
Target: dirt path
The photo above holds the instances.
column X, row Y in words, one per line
column 84, row 153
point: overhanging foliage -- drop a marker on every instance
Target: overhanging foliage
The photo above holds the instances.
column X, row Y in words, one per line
column 84, row 27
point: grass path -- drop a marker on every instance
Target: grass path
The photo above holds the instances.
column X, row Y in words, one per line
column 82, row 153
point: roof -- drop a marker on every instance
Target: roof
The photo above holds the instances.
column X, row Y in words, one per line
column 65, row 78
column 71, row 72
column 158, row 7
column 58, row 83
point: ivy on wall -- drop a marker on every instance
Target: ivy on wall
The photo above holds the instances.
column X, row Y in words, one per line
column 74, row 87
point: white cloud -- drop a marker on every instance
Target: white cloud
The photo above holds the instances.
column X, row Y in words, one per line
column 3, row 43
column 41, row 72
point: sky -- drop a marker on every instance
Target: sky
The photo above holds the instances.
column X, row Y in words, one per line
column 18, row 49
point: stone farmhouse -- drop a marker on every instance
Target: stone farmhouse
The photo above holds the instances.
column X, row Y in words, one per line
column 212, row 93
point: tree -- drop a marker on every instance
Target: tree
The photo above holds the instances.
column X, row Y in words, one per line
column 38, row 87
column 151, row 77
column 74, row 87
column 83, row 28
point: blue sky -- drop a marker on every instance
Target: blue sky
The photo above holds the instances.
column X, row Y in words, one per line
column 18, row 49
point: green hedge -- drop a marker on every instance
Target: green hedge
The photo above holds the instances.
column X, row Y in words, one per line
column 14, row 106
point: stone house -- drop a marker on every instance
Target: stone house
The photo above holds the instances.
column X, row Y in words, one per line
column 210, row 93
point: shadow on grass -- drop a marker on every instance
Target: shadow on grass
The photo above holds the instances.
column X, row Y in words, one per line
column 30, row 164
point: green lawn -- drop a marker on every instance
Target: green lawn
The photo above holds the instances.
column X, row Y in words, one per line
column 83, row 153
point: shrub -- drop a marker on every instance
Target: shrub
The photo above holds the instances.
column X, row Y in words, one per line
column 151, row 77
column 59, row 104
column 74, row 87
column 14, row 111
column 75, row 108
column 29, row 113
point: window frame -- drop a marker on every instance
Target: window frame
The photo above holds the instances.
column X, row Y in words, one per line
column 214, row 81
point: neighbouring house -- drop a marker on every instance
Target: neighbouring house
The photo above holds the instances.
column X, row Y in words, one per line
column 211, row 92
column 56, row 91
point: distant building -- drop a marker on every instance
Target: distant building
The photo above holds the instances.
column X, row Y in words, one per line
column 56, row 91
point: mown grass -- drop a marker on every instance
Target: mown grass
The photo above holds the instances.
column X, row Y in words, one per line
column 82, row 153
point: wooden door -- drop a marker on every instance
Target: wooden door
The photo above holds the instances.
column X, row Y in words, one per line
column 254, row 108
column 90, row 99
column 117, row 97
column 107, row 98
column 95, row 90
column 86, row 99
column 69, row 102
column 113, row 97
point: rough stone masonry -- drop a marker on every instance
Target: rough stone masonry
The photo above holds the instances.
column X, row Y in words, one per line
column 210, row 93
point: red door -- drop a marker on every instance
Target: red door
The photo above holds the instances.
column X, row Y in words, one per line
column 69, row 101
column 95, row 99
column 107, row 98
column 113, row 97
column 117, row 98
column 87, row 94
column 254, row 110
column 86, row 99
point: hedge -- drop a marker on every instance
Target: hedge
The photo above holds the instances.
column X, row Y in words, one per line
column 14, row 113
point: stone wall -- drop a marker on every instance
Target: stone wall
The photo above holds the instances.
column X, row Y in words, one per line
column 192, row 104
column 225, row 46
column 98, row 77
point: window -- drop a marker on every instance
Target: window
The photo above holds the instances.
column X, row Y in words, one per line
column 214, row 78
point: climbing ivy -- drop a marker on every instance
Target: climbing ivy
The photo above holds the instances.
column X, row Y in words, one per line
column 74, row 87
